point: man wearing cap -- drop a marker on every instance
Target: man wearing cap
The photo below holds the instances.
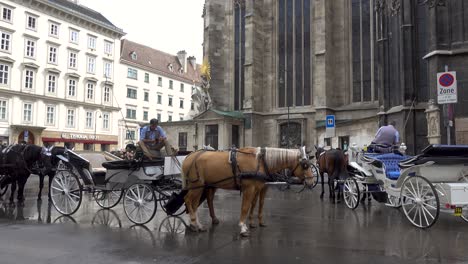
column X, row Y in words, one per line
column 153, row 138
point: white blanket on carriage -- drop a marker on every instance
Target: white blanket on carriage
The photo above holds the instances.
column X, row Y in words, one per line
column 173, row 165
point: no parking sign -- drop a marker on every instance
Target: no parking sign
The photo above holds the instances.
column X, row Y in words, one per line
column 447, row 87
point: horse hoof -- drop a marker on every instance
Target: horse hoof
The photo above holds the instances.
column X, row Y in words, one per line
column 263, row 225
column 202, row 229
column 194, row 228
column 253, row 226
column 215, row 221
column 245, row 234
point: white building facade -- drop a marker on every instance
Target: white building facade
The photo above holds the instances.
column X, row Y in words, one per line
column 153, row 84
column 57, row 74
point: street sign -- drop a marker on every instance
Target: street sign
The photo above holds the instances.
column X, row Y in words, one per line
column 330, row 126
column 447, row 87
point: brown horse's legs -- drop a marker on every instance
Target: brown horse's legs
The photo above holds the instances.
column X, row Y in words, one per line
column 261, row 202
column 323, row 185
column 210, row 192
column 252, row 209
column 192, row 199
column 247, row 196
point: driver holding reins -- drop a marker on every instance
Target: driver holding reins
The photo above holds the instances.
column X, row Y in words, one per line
column 386, row 138
column 153, row 138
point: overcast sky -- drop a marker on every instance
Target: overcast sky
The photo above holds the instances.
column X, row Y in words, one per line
column 166, row 25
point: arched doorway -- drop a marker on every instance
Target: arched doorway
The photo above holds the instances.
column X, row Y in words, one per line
column 29, row 139
column 290, row 136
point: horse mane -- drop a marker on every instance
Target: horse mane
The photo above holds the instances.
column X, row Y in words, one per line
column 275, row 156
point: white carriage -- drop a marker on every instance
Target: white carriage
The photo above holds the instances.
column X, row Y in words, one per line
column 423, row 185
column 142, row 184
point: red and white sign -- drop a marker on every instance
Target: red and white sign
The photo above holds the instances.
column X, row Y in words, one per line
column 447, row 87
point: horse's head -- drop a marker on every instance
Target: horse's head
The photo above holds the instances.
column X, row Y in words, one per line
column 302, row 168
column 46, row 159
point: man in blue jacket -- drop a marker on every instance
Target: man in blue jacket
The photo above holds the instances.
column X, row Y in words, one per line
column 153, row 138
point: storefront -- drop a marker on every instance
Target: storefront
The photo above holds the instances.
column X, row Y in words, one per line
column 81, row 141
column 28, row 134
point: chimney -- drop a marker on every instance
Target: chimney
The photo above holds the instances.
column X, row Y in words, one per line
column 182, row 55
column 193, row 61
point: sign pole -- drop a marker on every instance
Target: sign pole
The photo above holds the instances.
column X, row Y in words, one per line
column 447, row 109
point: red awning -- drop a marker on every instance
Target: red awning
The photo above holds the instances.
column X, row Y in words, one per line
column 85, row 141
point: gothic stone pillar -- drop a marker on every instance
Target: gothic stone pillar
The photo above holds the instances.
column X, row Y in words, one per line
column 433, row 123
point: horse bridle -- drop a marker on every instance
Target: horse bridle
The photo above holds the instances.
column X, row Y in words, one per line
column 305, row 166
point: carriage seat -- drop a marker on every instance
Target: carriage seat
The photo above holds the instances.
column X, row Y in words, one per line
column 391, row 161
column 131, row 164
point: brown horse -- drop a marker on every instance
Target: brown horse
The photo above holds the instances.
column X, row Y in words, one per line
column 334, row 163
column 212, row 169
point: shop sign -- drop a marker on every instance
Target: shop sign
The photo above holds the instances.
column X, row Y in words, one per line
column 79, row 136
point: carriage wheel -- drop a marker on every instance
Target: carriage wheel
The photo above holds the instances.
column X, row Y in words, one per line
column 107, row 199
column 66, row 192
column 420, row 201
column 394, row 201
column 166, row 192
column 351, row 193
column 140, row 203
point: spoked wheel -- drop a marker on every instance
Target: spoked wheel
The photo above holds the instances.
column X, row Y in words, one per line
column 351, row 193
column 66, row 192
column 420, row 201
column 165, row 194
column 140, row 203
column 107, row 199
column 394, row 201
column 106, row 218
column 315, row 175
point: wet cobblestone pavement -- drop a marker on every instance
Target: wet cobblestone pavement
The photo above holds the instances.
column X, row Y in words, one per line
column 301, row 229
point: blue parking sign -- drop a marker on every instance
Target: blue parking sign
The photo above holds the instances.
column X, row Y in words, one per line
column 330, row 121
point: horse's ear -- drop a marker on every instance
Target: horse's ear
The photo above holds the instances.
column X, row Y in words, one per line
column 316, row 148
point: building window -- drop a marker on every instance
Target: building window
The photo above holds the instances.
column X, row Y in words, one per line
column 72, row 59
column 132, row 73
column 52, row 83
column 28, row 79
column 5, row 44
column 169, row 118
column 70, row 117
column 107, row 69
column 54, row 30
column 92, row 42
column 107, row 94
column 192, row 106
column 158, row 116
column 146, row 96
column 89, row 119
column 159, row 99
column 52, row 58
column 91, row 65
column 134, row 55
column 183, row 141
column 105, row 121
column 50, row 115
column 4, row 73
column 211, row 136
column 3, row 110
column 171, row 84
column 131, row 93
column 90, row 91
column 131, row 113
column 294, row 53
column 107, row 47
column 31, row 22
column 74, row 36
column 159, row 81
column 181, row 117
column 146, row 77
column 181, row 103
column 170, row 101
column 7, row 14
column 30, row 51
column 130, row 135
column 27, row 112
column 181, row 87
column 71, row 88
column 145, row 115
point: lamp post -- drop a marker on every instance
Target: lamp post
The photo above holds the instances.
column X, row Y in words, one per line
column 95, row 127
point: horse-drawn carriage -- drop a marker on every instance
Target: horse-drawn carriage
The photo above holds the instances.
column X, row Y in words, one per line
column 141, row 183
column 423, row 185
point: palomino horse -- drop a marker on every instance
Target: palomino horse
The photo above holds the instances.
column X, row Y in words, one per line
column 334, row 163
column 204, row 169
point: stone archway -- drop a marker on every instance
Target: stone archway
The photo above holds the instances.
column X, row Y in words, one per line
column 30, row 137
column 293, row 134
